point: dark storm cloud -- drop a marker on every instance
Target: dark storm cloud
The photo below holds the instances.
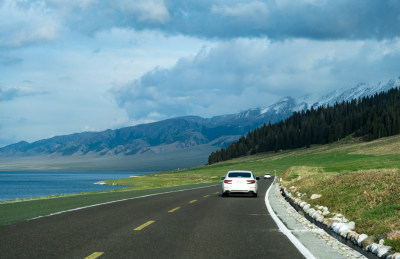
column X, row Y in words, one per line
column 278, row 19
column 252, row 73
column 40, row 21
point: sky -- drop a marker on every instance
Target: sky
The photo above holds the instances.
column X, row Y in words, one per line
column 92, row 65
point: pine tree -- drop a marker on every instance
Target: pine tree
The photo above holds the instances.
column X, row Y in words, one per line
column 368, row 117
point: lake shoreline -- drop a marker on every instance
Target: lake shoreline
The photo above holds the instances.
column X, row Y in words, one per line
column 21, row 185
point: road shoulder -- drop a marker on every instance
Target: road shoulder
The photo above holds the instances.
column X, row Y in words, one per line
column 316, row 240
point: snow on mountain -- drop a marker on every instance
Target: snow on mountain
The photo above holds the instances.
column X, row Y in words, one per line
column 186, row 132
column 288, row 104
column 359, row 91
column 285, row 107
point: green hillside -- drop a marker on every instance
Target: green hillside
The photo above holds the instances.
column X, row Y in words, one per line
column 370, row 118
column 347, row 155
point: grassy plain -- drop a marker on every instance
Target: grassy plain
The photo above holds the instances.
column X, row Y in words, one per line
column 358, row 179
column 344, row 156
column 25, row 209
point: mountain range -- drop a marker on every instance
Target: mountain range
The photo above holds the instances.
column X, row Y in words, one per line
column 180, row 133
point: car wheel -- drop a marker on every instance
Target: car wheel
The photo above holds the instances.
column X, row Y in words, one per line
column 254, row 194
column 224, row 194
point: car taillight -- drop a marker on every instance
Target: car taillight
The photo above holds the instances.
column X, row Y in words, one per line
column 228, row 181
column 251, row 181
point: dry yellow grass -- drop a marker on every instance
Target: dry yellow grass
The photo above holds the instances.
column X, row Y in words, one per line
column 384, row 146
column 297, row 172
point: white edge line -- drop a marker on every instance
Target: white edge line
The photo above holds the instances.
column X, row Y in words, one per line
column 303, row 250
column 109, row 202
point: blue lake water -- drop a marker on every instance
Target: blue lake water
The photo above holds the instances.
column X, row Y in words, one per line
column 17, row 185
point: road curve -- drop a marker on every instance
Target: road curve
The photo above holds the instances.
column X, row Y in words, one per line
column 196, row 223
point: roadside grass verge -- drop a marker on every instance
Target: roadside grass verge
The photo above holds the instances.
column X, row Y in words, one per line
column 358, row 179
column 16, row 211
column 370, row 198
column 157, row 180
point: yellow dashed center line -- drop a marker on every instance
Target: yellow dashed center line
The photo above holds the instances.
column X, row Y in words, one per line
column 217, row 193
column 144, row 225
column 94, row 255
column 192, row 201
column 177, row 208
column 205, row 196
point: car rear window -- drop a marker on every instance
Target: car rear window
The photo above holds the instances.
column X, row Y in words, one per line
column 239, row 174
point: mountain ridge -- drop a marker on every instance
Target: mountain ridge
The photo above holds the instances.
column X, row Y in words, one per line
column 186, row 131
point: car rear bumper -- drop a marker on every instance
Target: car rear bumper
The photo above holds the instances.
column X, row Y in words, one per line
column 233, row 189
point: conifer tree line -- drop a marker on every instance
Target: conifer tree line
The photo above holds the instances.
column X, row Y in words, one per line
column 369, row 117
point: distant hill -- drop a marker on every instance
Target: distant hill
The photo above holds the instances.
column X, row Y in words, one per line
column 370, row 118
column 167, row 135
column 177, row 134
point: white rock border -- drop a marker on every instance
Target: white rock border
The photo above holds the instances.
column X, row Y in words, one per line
column 340, row 225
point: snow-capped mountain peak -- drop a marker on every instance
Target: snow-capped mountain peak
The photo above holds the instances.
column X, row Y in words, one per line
column 182, row 132
column 288, row 105
column 359, row 91
column 280, row 106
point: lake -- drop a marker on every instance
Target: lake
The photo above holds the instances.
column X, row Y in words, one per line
column 22, row 184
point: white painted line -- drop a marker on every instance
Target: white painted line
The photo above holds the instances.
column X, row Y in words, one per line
column 303, row 250
column 109, row 202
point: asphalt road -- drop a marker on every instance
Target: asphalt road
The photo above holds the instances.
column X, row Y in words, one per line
column 190, row 224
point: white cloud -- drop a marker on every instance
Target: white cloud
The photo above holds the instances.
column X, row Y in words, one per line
column 76, row 79
column 165, row 58
column 242, row 10
column 27, row 23
column 147, row 10
column 241, row 74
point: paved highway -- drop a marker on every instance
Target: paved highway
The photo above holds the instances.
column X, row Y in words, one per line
column 196, row 223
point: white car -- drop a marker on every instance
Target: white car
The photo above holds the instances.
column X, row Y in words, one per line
column 240, row 182
column 267, row 176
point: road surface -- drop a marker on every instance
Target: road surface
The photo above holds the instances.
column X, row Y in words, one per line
column 196, row 223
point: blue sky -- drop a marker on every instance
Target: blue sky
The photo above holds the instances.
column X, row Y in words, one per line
column 91, row 65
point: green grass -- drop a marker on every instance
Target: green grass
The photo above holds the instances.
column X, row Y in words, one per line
column 332, row 162
column 360, row 181
column 340, row 168
column 12, row 212
column 368, row 195
column 369, row 198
